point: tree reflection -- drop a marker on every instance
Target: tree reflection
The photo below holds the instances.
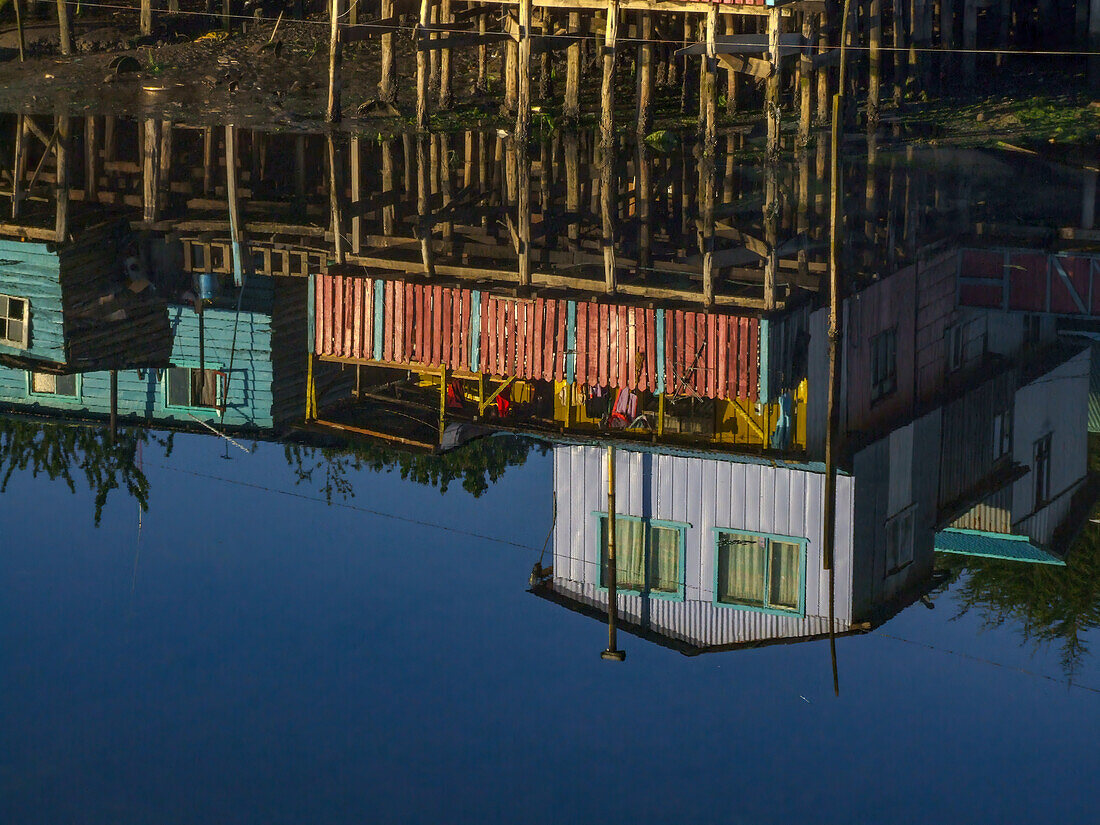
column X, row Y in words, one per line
column 478, row 464
column 65, row 452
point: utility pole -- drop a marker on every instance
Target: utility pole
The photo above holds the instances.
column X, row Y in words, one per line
column 612, row 654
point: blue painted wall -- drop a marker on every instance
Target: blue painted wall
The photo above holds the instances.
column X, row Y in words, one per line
column 32, row 271
column 143, row 393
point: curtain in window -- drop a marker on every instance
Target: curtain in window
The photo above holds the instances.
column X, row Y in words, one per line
column 664, row 560
column 785, row 575
column 629, row 553
column 742, row 565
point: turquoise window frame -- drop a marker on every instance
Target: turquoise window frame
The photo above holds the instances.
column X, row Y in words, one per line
column 73, row 400
column 187, row 408
column 681, row 531
column 803, row 545
column 70, row 400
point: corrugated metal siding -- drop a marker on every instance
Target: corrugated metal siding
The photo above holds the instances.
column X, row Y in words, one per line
column 936, row 283
column 967, row 450
column 1054, row 403
column 703, row 493
column 887, row 304
column 699, row 623
column 994, row 514
column 33, row 271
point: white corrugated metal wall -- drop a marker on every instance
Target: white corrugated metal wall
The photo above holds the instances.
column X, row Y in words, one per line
column 1055, row 403
column 704, row 493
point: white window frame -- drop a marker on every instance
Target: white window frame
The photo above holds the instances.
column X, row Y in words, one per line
column 20, row 343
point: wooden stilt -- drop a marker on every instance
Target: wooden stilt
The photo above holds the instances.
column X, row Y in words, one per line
column 19, row 29
column 523, row 74
column 63, row 28
column 708, row 89
column 146, row 21
column 905, row 28
column 151, row 171
column 545, row 91
column 387, row 85
column 572, row 186
column 236, row 226
column 523, row 214
column 93, row 160
column 482, row 84
column 434, row 54
column 420, row 37
column 643, row 199
column 608, row 201
column 335, row 183
column 446, row 90
column 389, row 211
column 706, row 195
column 805, row 83
column 646, row 51
column 733, row 79
column 607, row 88
column 62, row 151
column 571, row 110
column 19, row 165
column 511, row 75
column 947, row 40
column 772, row 85
column 874, row 61
column 356, row 175
column 822, row 73
column 335, row 58
column 423, row 206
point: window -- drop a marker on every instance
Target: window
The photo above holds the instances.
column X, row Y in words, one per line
column 192, row 387
column 760, row 572
column 45, row 384
column 1002, row 434
column 13, row 321
column 649, row 557
column 899, row 541
column 1041, row 469
column 955, row 341
column 884, row 366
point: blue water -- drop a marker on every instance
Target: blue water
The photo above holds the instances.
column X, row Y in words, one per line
column 249, row 656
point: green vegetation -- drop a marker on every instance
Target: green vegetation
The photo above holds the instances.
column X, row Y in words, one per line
column 64, row 452
column 478, row 464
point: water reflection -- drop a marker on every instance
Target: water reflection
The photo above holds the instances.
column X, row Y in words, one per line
column 442, row 304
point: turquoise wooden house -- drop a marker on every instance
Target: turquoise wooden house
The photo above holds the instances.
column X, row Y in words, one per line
column 240, row 376
column 77, row 306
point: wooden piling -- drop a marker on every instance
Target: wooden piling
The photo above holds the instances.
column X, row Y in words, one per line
column 708, row 89
column 645, row 84
column 772, row 85
column 387, row 88
column 874, row 60
column 151, row 171
column 607, row 88
column 482, row 84
column 62, row 151
column 19, row 165
column 335, row 58
column 146, row 21
column 19, row 29
column 970, row 42
column 571, row 110
column 806, row 83
column 420, row 38
column 93, row 160
column 523, row 75
column 63, row 28
column 335, row 184
column 733, row 79
column 1094, row 45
